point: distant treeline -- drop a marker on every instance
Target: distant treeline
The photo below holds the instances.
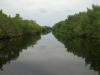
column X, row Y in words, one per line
column 83, row 24
column 17, row 26
column 46, row 29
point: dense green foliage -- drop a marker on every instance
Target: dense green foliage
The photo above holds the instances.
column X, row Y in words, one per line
column 16, row 26
column 46, row 29
column 83, row 24
column 10, row 49
column 80, row 34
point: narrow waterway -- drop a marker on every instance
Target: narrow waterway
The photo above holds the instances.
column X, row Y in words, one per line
column 47, row 57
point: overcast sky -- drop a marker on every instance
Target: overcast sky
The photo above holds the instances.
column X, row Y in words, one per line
column 45, row 12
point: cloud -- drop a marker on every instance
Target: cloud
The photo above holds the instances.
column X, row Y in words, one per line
column 45, row 12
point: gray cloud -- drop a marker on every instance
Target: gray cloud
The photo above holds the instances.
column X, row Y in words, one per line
column 45, row 12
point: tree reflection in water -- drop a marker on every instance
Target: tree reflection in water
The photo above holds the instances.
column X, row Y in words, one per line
column 87, row 48
column 10, row 49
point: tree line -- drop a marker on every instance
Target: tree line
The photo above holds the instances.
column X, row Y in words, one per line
column 17, row 26
column 80, row 33
column 83, row 24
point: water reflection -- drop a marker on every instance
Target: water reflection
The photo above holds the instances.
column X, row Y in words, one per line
column 10, row 49
column 87, row 48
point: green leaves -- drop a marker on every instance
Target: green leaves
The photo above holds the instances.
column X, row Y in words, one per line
column 80, row 34
column 16, row 26
column 85, row 24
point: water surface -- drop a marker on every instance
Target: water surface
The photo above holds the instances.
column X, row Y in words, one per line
column 46, row 57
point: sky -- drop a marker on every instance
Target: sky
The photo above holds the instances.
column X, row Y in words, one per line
column 45, row 12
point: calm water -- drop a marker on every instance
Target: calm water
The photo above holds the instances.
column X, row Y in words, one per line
column 46, row 56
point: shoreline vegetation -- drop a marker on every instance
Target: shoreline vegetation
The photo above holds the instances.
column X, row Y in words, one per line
column 80, row 34
column 16, row 26
column 83, row 24
column 16, row 35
